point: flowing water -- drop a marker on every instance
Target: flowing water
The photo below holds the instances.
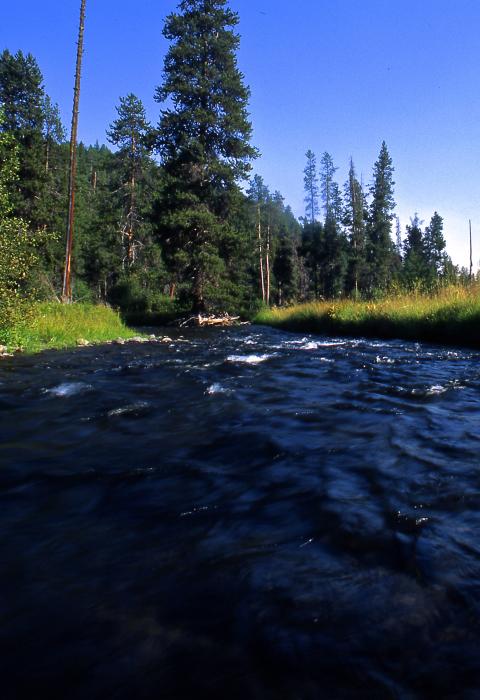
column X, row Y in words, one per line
column 241, row 514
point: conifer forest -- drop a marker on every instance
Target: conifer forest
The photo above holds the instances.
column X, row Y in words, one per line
column 172, row 214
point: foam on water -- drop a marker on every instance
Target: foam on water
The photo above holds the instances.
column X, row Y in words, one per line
column 248, row 359
column 436, row 390
column 216, row 389
column 67, row 389
column 131, row 409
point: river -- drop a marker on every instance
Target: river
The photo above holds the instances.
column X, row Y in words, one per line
column 241, row 514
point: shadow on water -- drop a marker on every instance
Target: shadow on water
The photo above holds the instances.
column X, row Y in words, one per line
column 241, row 514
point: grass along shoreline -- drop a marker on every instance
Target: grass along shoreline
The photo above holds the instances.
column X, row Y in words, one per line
column 450, row 317
column 52, row 325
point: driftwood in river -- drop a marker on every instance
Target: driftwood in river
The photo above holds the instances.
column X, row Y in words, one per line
column 203, row 320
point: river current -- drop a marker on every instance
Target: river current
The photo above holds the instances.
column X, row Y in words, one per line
column 241, row 514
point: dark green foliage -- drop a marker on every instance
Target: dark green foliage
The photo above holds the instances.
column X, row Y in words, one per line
column 329, row 188
column 380, row 247
column 131, row 133
column 415, row 267
column 438, row 262
column 286, row 271
column 312, row 247
column 355, row 222
column 425, row 264
column 203, row 139
column 334, row 260
column 22, row 99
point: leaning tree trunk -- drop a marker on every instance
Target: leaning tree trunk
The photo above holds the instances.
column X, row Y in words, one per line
column 67, row 278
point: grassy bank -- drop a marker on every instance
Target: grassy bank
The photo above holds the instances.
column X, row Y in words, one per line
column 53, row 325
column 451, row 316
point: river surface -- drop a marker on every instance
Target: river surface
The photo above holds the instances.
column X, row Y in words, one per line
column 241, row 514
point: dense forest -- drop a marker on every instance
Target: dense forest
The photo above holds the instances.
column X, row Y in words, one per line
column 171, row 215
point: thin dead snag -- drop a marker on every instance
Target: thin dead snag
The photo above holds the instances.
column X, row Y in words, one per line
column 260, row 252
column 67, row 279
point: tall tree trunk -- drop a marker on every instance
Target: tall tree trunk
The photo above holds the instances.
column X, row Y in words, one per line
column 67, row 279
column 267, row 265
column 260, row 251
column 131, row 213
column 471, row 253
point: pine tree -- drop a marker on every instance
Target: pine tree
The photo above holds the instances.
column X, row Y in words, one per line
column 53, row 130
column 22, row 98
column 311, row 187
column 435, row 244
column 415, row 269
column 354, row 221
column 285, row 269
column 204, row 135
column 329, row 188
column 381, row 254
column 313, row 241
column 130, row 132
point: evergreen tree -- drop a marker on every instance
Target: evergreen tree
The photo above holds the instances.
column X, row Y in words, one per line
column 435, row 244
column 329, row 189
column 333, row 260
column 53, row 131
column 311, row 187
column 312, row 246
column 130, row 132
column 415, row 260
column 22, row 98
column 285, row 269
column 204, row 135
column 354, row 220
column 380, row 253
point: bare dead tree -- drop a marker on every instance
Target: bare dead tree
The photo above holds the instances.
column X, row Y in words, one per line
column 267, row 265
column 260, row 251
column 471, row 252
column 67, row 278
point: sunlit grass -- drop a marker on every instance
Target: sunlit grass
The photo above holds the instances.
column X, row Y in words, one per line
column 54, row 325
column 450, row 316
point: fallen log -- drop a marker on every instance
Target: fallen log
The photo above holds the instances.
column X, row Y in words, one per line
column 210, row 320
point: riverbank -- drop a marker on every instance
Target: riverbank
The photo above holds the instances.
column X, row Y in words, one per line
column 59, row 326
column 451, row 317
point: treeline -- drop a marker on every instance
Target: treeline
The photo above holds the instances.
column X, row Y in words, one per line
column 347, row 242
column 163, row 215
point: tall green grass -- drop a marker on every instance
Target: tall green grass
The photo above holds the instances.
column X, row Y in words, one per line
column 54, row 325
column 451, row 316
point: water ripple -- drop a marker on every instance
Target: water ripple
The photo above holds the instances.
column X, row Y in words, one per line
column 241, row 513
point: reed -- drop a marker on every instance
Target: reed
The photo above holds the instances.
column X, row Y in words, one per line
column 450, row 316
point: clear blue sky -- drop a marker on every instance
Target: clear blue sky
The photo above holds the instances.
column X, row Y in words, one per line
column 336, row 75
